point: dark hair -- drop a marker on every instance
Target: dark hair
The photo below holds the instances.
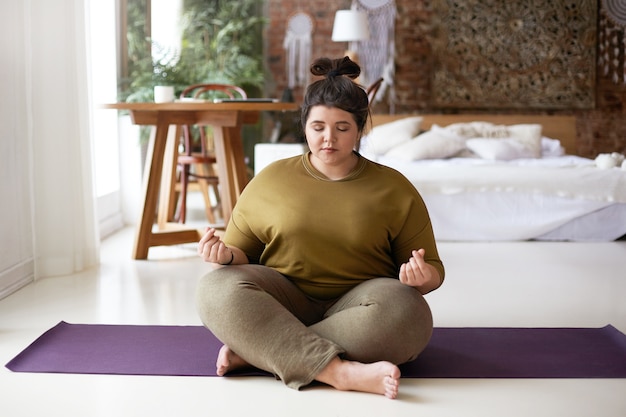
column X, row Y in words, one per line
column 337, row 89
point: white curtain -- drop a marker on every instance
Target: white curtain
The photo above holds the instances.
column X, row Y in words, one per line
column 65, row 234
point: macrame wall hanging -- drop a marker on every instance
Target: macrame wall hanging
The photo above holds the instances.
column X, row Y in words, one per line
column 298, row 49
column 376, row 55
column 611, row 39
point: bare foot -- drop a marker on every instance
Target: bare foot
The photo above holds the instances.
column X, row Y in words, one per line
column 227, row 361
column 377, row 378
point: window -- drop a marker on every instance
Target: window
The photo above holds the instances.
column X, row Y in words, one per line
column 102, row 32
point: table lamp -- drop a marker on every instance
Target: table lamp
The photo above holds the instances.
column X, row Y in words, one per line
column 351, row 26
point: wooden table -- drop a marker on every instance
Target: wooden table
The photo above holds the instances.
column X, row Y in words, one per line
column 160, row 170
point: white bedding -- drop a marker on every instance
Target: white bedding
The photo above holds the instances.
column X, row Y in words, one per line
column 496, row 216
column 566, row 176
column 551, row 198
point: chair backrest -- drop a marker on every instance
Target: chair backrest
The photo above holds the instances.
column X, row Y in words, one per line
column 207, row 91
column 214, row 91
column 373, row 89
column 371, row 93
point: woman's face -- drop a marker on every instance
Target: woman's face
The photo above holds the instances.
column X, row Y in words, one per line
column 331, row 134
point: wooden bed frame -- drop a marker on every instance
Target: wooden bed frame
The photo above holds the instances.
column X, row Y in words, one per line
column 562, row 128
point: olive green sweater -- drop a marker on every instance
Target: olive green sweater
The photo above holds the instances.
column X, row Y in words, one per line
column 328, row 236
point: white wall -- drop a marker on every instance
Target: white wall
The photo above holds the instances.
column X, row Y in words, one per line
column 16, row 237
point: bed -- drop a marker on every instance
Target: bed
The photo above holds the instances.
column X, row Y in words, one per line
column 502, row 177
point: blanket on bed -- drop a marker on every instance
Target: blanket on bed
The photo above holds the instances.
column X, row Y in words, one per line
column 571, row 177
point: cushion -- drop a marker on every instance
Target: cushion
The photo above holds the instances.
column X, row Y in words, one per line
column 384, row 137
column 478, row 130
column 498, row 149
column 499, row 142
column 437, row 143
column 551, row 147
column 528, row 135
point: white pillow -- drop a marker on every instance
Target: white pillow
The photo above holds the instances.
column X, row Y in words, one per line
column 384, row 137
column 478, row 130
column 529, row 135
column 437, row 143
column 517, row 141
column 551, row 147
column 499, row 149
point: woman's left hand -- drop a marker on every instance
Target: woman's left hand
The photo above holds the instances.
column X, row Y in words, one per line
column 419, row 274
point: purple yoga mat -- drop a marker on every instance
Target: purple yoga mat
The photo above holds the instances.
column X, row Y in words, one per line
column 451, row 353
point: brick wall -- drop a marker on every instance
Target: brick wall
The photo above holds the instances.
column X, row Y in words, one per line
column 279, row 11
column 602, row 129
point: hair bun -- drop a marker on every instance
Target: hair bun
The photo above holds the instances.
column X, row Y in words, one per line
column 321, row 66
column 334, row 67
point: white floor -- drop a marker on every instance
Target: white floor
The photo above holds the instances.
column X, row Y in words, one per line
column 488, row 284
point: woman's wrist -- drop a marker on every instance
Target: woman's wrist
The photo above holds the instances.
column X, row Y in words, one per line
column 232, row 258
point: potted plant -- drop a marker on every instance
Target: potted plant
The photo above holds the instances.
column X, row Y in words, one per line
column 221, row 43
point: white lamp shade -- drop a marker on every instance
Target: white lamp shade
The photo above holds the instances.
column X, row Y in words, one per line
column 350, row 26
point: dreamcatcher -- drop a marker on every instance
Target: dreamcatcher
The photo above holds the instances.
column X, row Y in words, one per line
column 612, row 38
column 376, row 55
column 298, row 46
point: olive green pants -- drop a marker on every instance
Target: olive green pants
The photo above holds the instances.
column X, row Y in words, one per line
column 270, row 323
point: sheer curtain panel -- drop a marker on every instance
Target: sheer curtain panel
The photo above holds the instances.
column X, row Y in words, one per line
column 64, row 229
column 50, row 120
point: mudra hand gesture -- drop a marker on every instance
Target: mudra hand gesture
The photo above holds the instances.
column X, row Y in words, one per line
column 212, row 249
column 419, row 274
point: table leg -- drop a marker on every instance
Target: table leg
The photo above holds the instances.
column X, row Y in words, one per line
column 231, row 164
column 224, row 169
column 168, row 233
column 240, row 170
column 151, row 185
column 167, row 197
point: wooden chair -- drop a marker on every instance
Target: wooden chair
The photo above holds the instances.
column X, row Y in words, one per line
column 196, row 158
column 373, row 89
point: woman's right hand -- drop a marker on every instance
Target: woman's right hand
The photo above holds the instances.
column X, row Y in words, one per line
column 212, row 249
